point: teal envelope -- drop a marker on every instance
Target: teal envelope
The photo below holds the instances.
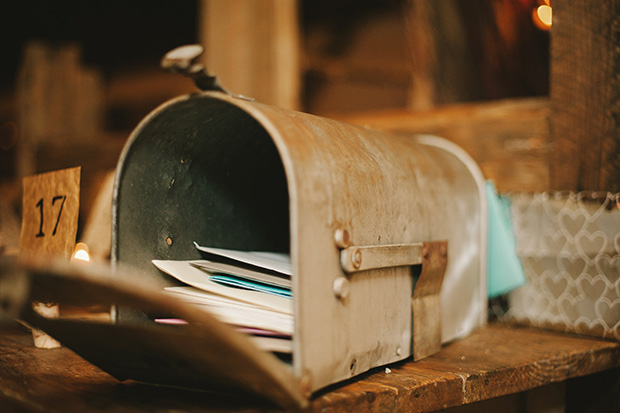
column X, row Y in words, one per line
column 505, row 271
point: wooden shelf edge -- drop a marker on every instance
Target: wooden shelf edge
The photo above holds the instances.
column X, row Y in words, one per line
column 494, row 361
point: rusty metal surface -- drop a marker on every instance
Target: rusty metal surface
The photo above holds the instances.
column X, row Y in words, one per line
column 371, row 257
column 234, row 174
column 426, row 301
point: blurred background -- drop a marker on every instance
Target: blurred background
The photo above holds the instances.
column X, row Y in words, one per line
column 76, row 77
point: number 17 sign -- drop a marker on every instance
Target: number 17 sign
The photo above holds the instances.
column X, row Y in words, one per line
column 50, row 212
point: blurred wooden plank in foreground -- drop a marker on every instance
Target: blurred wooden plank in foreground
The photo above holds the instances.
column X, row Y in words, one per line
column 509, row 138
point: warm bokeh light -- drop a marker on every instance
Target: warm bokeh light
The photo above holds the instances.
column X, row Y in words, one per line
column 81, row 252
column 542, row 17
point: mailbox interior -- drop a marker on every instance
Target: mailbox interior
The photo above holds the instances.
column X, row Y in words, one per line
column 202, row 171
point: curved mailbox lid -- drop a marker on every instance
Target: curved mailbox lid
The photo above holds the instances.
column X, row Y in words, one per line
column 383, row 190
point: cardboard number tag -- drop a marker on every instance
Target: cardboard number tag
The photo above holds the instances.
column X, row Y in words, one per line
column 50, row 210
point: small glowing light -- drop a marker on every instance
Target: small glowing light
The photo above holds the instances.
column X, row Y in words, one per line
column 542, row 17
column 545, row 14
column 81, row 252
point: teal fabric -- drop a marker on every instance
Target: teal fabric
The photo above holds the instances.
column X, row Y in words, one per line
column 505, row 271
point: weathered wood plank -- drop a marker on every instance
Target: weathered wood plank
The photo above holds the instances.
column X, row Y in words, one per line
column 495, row 361
column 58, row 380
column 58, row 101
column 253, row 47
column 502, row 360
column 404, row 388
column 585, row 93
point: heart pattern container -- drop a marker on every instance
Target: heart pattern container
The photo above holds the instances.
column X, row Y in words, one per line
column 569, row 244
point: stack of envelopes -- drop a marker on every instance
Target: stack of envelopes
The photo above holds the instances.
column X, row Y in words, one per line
column 246, row 289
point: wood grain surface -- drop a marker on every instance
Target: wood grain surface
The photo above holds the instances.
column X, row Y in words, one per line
column 585, row 60
column 495, row 361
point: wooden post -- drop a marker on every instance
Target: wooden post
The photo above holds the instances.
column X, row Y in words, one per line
column 59, row 102
column 444, row 67
column 585, row 95
column 253, row 47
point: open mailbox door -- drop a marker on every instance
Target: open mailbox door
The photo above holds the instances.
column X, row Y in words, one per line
column 201, row 353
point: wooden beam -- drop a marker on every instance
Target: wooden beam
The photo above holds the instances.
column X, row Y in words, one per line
column 59, row 101
column 585, row 95
column 253, row 47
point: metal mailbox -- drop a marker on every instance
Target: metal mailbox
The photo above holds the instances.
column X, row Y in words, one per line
column 351, row 205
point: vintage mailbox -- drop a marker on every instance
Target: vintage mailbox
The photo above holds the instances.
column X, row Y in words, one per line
column 227, row 172
column 373, row 224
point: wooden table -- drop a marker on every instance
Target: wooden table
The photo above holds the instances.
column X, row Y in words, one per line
column 495, row 361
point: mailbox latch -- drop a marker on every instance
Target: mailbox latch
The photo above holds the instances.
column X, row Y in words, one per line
column 426, row 306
